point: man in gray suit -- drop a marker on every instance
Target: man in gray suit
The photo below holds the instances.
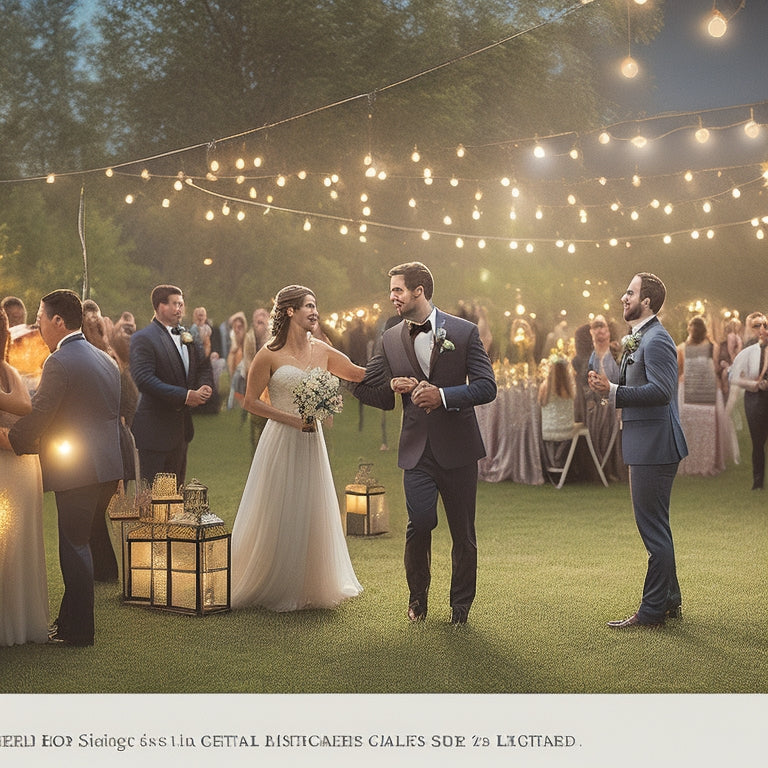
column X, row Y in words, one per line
column 439, row 366
column 73, row 426
column 652, row 442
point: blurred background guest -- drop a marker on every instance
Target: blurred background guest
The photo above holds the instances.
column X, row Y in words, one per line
column 556, row 397
column 701, row 403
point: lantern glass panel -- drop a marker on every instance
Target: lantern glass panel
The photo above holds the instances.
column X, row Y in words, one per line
column 184, row 589
column 184, row 555
column 140, row 583
column 141, row 554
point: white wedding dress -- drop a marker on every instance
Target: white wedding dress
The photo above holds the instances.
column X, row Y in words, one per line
column 23, row 575
column 288, row 546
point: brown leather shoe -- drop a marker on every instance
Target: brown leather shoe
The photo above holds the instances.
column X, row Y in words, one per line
column 633, row 621
column 417, row 611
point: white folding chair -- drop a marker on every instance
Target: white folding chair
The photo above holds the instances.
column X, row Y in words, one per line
column 579, row 430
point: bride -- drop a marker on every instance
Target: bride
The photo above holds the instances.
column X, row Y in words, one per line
column 23, row 576
column 288, row 546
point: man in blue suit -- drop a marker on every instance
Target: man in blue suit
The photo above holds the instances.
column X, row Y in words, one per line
column 73, row 426
column 652, row 442
column 173, row 376
column 439, row 366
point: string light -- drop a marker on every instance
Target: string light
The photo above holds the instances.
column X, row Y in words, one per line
column 629, row 66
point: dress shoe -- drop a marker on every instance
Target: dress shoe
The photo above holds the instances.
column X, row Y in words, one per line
column 417, row 611
column 633, row 621
column 674, row 612
column 54, row 638
column 459, row 614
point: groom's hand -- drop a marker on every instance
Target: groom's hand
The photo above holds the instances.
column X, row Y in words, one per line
column 426, row 396
column 402, row 385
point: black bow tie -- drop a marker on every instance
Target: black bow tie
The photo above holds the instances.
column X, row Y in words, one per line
column 423, row 328
column 177, row 330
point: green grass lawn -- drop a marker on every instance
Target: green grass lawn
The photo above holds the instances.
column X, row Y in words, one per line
column 554, row 566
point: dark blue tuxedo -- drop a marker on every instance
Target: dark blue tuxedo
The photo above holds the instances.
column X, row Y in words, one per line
column 653, row 444
column 438, row 450
column 74, row 427
column 162, row 425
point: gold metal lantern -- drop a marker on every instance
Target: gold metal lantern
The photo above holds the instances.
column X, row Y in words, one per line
column 366, row 504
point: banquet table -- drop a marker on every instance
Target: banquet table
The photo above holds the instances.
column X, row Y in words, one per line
column 511, row 429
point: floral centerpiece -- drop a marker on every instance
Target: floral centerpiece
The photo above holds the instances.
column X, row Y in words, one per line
column 317, row 396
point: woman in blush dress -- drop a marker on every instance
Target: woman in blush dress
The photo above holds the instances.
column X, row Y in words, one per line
column 601, row 420
column 702, row 412
column 24, row 613
column 288, row 547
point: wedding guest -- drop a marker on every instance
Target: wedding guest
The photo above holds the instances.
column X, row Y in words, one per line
column 556, row 398
column 288, row 546
column 701, row 404
column 603, row 422
column 26, row 351
column 437, row 364
column 728, row 348
column 202, row 333
column 653, row 443
column 173, row 378
column 23, row 577
column 235, row 367
column 73, row 426
column 749, row 373
column 255, row 338
column 102, row 552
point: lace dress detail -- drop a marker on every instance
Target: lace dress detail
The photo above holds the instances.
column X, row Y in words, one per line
column 288, row 546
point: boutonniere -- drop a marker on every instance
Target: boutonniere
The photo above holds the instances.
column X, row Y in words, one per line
column 631, row 342
column 186, row 336
column 443, row 343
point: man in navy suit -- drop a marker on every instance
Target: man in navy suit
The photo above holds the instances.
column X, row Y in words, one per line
column 652, row 442
column 73, row 426
column 173, row 376
column 439, row 366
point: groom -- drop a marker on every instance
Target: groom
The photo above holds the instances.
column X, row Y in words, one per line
column 438, row 365
column 652, row 442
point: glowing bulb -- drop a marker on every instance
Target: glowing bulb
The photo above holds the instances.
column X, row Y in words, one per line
column 604, row 137
column 538, row 151
column 239, row 163
column 415, row 156
column 752, row 129
column 459, row 242
column 481, row 243
column 702, row 135
column 209, row 216
column 110, row 173
column 688, row 176
column 382, row 175
column 613, row 242
column 571, row 199
column 513, row 245
column 639, row 141
column 344, row 229
column 634, row 215
column 668, row 208
column 425, row 235
column 629, row 68
column 447, row 220
column 129, row 199
column 717, row 25
column 370, row 172
column 571, row 248
column 454, row 181
column 539, row 214
column 736, row 192
column 166, row 203
column 529, row 247
column 707, row 207
column 257, row 161
column 177, row 185
column 505, row 182
column 460, row 151
column 710, row 234
column 225, row 209
column 667, row 239
column 214, row 166
column 695, row 234
column 367, row 160
column 50, row 178
column 307, row 225
column 574, row 153
column 240, row 215
column 207, row 261
column 280, row 181
column 635, row 181
column 412, row 203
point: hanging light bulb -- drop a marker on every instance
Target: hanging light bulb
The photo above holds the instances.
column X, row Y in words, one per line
column 460, row 151
column 538, row 151
column 604, row 137
column 415, row 156
column 717, row 25
column 751, row 128
column 629, row 68
column 702, row 134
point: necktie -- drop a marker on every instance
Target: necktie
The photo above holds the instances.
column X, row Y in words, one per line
column 425, row 327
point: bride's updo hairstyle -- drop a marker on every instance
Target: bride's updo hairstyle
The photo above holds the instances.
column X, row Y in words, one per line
column 292, row 296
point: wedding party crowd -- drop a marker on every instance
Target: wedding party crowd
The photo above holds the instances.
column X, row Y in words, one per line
column 89, row 404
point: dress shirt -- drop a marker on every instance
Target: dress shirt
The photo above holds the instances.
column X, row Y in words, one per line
column 183, row 351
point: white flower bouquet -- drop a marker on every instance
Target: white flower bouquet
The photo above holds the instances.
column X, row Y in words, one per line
column 317, row 396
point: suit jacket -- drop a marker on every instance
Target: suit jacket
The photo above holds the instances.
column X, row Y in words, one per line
column 74, row 423
column 651, row 430
column 162, row 421
column 465, row 375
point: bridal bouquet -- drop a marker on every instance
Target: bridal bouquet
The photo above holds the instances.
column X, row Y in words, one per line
column 317, row 396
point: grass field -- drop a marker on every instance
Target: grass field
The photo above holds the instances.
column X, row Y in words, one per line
column 554, row 566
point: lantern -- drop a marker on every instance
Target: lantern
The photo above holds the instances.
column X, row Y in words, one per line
column 180, row 562
column 366, row 507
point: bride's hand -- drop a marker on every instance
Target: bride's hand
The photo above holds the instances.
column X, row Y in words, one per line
column 402, row 385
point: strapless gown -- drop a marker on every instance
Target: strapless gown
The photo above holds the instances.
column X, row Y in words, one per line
column 23, row 575
column 288, row 546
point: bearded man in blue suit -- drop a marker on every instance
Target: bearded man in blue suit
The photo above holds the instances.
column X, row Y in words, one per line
column 438, row 365
column 653, row 442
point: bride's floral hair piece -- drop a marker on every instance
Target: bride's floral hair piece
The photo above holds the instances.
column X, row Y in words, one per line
column 290, row 297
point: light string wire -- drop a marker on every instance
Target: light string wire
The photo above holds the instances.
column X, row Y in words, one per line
column 368, row 95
